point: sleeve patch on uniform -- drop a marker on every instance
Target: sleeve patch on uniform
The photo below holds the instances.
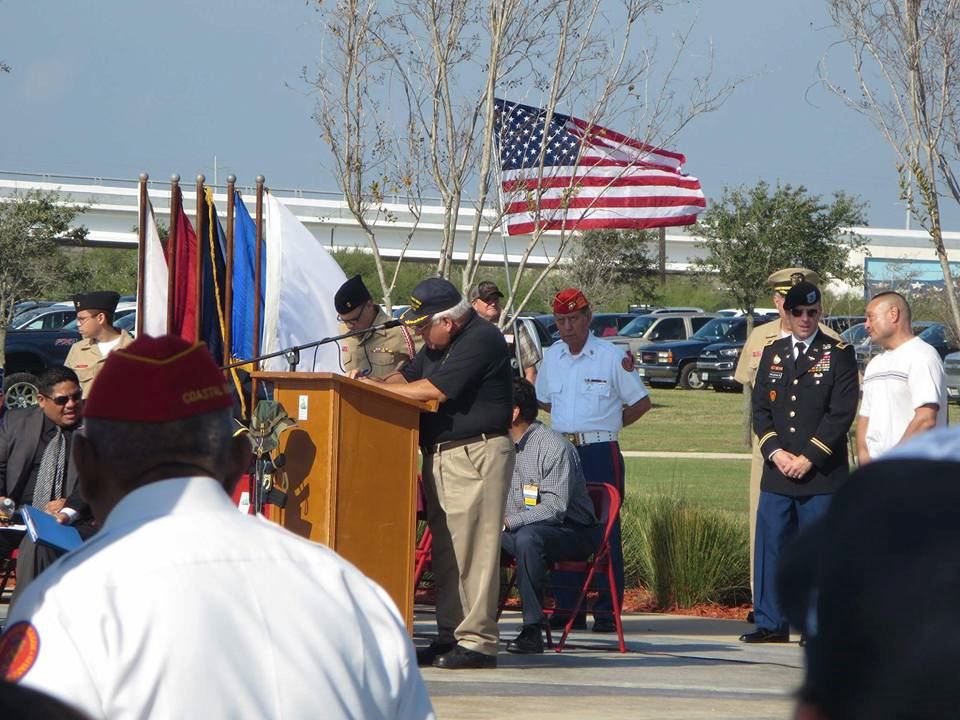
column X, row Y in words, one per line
column 19, row 647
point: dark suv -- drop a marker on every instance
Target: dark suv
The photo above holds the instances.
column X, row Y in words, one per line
column 675, row 362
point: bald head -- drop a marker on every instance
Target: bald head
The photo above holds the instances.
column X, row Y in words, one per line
column 889, row 320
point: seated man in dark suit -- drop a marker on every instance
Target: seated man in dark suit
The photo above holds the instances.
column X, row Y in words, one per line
column 549, row 515
column 36, row 468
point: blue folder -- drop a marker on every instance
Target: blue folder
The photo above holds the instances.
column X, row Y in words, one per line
column 45, row 530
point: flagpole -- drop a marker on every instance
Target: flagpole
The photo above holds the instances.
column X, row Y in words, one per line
column 142, row 252
column 257, row 285
column 228, row 280
column 172, row 251
column 257, row 278
column 198, row 276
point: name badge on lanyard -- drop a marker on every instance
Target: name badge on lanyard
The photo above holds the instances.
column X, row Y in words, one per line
column 531, row 495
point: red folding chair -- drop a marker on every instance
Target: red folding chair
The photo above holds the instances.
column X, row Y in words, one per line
column 422, row 555
column 606, row 504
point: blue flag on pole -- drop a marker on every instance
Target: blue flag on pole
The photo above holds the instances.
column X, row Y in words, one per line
column 244, row 264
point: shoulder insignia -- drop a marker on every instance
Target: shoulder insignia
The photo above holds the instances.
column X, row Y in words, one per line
column 842, row 345
column 19, row 648
column 770, row 342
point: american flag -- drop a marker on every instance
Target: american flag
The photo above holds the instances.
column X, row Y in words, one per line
column 593, row 177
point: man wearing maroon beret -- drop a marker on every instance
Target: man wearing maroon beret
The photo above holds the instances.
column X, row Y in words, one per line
column 590, row 395
column 181, row 606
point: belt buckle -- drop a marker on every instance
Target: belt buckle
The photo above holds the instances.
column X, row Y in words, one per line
column 574, row 438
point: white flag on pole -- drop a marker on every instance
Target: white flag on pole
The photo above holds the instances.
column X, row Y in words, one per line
column 302, row 279
column 155, row 275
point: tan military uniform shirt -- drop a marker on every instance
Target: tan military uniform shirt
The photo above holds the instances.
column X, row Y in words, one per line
column 762, row 336
column 380, row 352
column 86, row 360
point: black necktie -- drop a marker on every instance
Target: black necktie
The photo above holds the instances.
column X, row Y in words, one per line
column 800, row 347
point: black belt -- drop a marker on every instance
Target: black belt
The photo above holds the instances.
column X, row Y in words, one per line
column 451, row 444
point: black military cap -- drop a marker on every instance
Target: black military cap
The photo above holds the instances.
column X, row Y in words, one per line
column 485, row 291
column 105, row 300
column 874, row 584
column 351, row 295
column 803, row 293
column 431, row 296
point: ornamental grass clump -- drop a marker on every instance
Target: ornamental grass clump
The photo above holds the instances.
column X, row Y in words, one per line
column 685, row 555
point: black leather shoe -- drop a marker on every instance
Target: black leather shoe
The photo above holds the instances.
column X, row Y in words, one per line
column 558, row 622
column 462, row 659
column 803, row 640
column 750, row 617
column 765, row 636
column 426, row 655
column 528, row 642
column 604, row 625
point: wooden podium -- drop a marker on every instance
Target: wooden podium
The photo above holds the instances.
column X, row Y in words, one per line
column 351, row 469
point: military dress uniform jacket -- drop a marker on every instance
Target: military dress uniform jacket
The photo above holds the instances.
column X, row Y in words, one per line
column 759, row 338
column 380, row 352
column 86, row 360
column 806, row 407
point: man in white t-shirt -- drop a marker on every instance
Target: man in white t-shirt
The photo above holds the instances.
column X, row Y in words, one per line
column 95, row 323
column 904, row 389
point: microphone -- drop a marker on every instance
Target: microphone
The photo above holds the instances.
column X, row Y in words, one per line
column 387, row 325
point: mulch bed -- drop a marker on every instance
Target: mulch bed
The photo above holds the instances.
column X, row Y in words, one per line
column 637, row 600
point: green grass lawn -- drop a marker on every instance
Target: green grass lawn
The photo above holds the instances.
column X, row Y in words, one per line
column 689, row 420
column 713, row 484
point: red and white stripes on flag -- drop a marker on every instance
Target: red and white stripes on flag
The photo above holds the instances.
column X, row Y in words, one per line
column 589, row 177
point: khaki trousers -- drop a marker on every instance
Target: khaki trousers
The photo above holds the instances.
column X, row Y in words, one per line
column 465, row 490
column 756, row 472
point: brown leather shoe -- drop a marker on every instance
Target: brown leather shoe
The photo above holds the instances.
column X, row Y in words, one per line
column 462, row 659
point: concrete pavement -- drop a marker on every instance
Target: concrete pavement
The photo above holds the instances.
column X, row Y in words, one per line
column 675, row 667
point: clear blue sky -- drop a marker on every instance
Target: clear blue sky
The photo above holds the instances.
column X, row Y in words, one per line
column 113, row 87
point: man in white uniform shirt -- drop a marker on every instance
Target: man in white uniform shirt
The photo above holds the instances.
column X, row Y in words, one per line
column 904, row 388
column 181, row 606
column 590, row 396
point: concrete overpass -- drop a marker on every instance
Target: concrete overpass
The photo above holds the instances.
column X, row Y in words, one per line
column 111, row 217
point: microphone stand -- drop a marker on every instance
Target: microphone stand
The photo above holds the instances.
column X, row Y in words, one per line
column 292, row 354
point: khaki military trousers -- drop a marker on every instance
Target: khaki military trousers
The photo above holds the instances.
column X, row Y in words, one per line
column 465, row 489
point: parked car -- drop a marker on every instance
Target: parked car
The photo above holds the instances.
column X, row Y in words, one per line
column 951, row 368
column 675, row 361
column 644, row 330
column 52, row 317
column 717, row 363
column 839, row 323
column 29, row 352
column 934, row 333
column 855, row 334
column 605, row 325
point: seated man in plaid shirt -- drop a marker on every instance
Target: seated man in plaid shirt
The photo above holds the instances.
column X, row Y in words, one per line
column 549, row 515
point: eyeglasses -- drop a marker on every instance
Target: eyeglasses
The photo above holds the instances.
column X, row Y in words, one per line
column 82, row 320
column 352, row 320
column 62, row 400
column 800, row 312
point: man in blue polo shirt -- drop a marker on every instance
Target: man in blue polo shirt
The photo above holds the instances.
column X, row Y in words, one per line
column 590, row 396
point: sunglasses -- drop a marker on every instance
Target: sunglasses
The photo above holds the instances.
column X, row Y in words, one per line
column 800, row 312
column 62, row 400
